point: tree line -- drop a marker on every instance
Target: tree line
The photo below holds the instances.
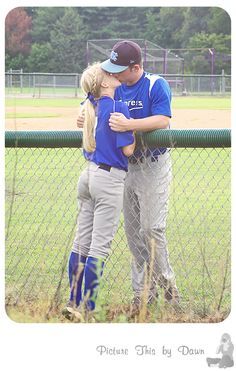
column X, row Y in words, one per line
column 53, row 39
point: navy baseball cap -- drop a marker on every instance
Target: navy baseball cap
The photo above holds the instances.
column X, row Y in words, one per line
column 123, row 54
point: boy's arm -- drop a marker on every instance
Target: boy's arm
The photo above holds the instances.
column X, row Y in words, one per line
column 118, row 122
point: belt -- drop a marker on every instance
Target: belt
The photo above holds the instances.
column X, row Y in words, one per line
column 108, row 167
column 105, row 167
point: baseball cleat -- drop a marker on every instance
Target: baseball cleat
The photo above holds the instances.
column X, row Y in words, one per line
column 171, row 295
column 71, row 313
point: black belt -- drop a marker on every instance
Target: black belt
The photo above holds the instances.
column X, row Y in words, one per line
column 105, row 167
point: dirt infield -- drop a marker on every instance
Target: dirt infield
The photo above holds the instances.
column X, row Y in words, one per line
column 65, row 118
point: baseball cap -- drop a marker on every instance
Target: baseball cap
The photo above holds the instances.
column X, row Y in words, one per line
column 123, row 54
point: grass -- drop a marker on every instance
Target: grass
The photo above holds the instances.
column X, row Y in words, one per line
column 213, row 103
column 178, row 102
column 42, row 224
column 30, row 115
column 42, row 102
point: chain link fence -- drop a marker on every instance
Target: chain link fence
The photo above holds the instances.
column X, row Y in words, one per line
column 44, row 85
column 42, row 170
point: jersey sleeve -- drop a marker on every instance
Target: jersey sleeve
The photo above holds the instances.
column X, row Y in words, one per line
column 161, row 98
column 125, row 138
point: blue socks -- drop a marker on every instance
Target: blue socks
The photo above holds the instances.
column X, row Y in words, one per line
column 76, row 273
column 92, row 274
column 90, row 269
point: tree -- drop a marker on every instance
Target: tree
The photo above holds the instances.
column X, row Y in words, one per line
column 15, row 63
column 68, row 42
column 153, row 29
column 133, row 24
column 17, row 35
column 168, row 27
column 219, row 21
column 201, row 62
column 195, row 20
column 40, row 58
column 44, row 20
column 59, row 34
column 220, row 42
column 97, row 22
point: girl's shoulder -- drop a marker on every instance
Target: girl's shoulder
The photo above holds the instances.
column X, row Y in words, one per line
column 121, row 107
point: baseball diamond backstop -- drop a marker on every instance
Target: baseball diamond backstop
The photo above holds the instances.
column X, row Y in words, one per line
column 155, row 58
column 42, row 169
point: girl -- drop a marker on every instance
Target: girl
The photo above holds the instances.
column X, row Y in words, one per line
column 100, row 188
column 226, row 348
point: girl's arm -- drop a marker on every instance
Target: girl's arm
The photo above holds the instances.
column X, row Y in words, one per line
column 129, row 149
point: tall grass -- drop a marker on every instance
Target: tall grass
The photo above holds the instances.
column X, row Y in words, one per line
column 41, row 191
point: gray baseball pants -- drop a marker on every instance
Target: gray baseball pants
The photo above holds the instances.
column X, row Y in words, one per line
column 145, row 213
column 100, row 198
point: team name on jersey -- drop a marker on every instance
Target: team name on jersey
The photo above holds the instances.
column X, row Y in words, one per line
column 134, row 104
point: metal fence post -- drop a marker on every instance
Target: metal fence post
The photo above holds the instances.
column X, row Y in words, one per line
column 76, row 85
column 201, row 84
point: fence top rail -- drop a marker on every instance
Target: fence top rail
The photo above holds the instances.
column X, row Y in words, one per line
column 174, row 138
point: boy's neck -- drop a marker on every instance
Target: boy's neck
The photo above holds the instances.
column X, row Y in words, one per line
column 136, row 78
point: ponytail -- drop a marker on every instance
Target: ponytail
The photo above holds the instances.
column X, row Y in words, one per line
column 91, row 80
column 89, row 143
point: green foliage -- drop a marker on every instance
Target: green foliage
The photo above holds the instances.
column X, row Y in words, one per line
column 153, row 31
column 114, row 22
column 165, row 26
column 43, row 23
column 133, row 22
column 15, row 63
column 219, row 42
column 201, row 63
column 44, row 215
column 67, row 41
column 195, row 20
column 59, row 34
column 219, row 21
column 40, row 57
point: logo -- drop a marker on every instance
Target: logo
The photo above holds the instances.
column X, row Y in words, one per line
column 225, row 353
column 114, row 56
column 134, row 104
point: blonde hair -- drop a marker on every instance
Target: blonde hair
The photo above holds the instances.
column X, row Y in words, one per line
column 90, row 82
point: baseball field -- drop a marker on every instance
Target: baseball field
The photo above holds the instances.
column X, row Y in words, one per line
column 41, row 214
column 60, row 114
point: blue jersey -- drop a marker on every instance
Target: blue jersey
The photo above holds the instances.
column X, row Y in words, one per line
column 108, row 142
column 151, row 95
